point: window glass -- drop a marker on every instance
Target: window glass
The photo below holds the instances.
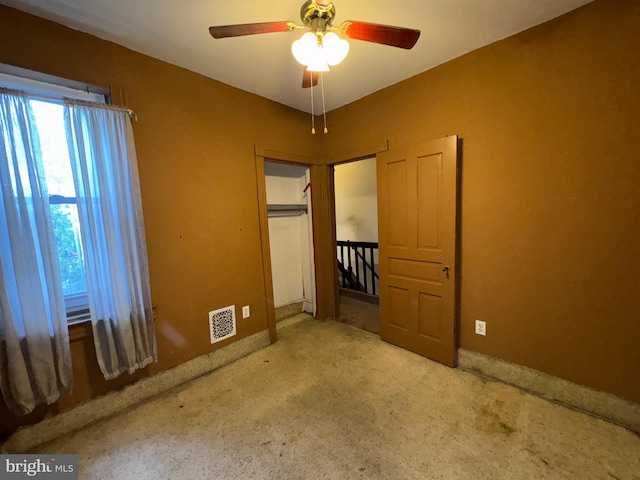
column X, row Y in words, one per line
column 49, row 119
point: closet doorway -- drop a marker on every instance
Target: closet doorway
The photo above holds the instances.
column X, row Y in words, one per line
column 290, row 238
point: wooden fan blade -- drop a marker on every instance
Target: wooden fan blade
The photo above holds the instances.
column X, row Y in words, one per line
column 250, row 29
column 383, row 34
column 309, row 79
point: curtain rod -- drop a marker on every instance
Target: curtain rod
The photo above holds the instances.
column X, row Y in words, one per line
column 68, row 101
column 85, row 103
column 13, row 91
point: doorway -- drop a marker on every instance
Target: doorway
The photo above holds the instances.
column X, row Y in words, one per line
column 417, row 210
column 289, row 218
column 356, row 212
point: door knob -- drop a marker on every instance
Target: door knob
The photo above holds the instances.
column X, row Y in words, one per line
column 446, row 271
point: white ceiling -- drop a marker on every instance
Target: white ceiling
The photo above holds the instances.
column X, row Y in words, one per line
column 176, row 31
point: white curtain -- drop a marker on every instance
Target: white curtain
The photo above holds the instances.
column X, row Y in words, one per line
column 35, row 359
column 103, row 159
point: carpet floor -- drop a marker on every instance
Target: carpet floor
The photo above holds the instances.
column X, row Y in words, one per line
column 329, row 401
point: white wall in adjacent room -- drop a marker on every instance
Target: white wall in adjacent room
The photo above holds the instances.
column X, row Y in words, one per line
column 356, row 201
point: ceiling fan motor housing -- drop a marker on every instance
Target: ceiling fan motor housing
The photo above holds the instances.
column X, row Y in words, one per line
column 317, row 17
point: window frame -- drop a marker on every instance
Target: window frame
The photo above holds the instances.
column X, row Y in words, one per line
column 77, row 304
column 56, row 87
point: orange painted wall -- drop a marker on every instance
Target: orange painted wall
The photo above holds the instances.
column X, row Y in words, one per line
column 550, row 123
column 195, row 141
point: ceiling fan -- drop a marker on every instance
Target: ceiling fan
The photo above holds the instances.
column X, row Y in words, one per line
column 323, row 44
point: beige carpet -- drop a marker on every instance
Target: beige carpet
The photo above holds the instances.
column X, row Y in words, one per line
column 330, row 401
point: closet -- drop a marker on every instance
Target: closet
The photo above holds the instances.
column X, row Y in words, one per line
column 290, row 236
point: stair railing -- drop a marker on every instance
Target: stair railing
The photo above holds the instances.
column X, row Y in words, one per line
column 358, row 272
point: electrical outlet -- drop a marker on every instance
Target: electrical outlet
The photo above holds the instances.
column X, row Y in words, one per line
column 246, row 312
column 481, row 327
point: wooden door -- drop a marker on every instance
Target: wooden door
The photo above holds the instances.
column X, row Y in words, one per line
column 417, row 205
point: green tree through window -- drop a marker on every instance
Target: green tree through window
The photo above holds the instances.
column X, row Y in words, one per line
column 69, row 249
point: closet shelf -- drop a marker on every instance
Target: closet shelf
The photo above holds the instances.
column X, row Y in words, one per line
column 286, row 209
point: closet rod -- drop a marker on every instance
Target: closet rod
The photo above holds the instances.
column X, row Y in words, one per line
column 286, row 209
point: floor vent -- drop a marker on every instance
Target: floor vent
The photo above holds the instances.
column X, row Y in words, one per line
column 222, row 323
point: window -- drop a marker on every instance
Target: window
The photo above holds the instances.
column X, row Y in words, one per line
column 48, row 110
column 70, row 190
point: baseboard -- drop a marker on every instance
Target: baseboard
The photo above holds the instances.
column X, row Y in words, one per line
column 29, row 437
column 292, row 320
column 600, row 404
column 290, row 310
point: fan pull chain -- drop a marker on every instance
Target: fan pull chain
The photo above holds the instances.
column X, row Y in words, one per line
column 324, row 110
column 313, row 118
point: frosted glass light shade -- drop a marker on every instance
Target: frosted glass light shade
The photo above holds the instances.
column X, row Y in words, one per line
column 335, row 48
column 318, row 64
column 305, row 48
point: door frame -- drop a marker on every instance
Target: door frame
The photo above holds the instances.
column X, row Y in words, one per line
column 262, row 155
